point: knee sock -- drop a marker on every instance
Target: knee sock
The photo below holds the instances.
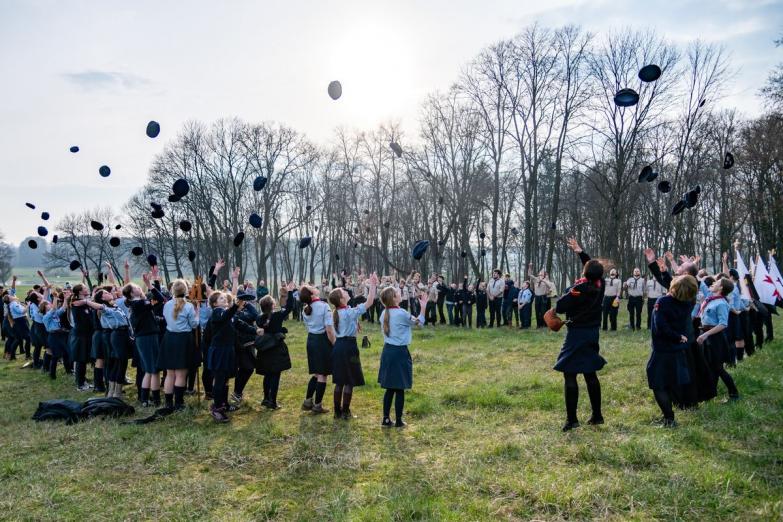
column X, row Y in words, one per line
column 266, row 388
column 740, row 353
column 145, row 395
column 664, row 403
column 347, row 395
column 387, row 402
column 206, row 381
column 311, row 386
column 594, row 392
column 241, row 380
column 97, row 377
column 156, row 397
column 399, row 403
column 571, row 397
column 169, row 400
column 179, row 396
column 37, row 357
column 139, row 379
column 47, row 361
column 274, row 385
column 82, row 373
column 320, row 389
column 338, row 398
column 729, row 382
column 53, row 367
column 191, row 380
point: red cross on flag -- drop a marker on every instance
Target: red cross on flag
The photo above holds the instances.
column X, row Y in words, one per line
column 775, row 274
column 765, row 285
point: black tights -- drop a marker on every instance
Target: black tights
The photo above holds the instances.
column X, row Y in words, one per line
column 664, row 400
column 271, row 385
column 342, row 397
column 728, row 381
column 241, row 380
column 399, row 403
column 220, row 388
column 572, row 394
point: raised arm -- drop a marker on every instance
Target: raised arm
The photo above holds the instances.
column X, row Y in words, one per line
column 235, row 281
column 43, row 278
column 126, row 272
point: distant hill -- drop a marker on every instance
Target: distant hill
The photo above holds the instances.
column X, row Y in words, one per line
column 26, row 256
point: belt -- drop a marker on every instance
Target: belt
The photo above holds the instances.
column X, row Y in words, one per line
column 120, row 329
column 705, row 328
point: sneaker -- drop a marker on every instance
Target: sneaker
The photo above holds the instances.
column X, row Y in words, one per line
column 594, row 421
column 338, row 414
column 265, row 403
column 307, row 405
column 669, row 423
column 347, row 415
column 318, row 409
column 236, row 398
column 99, row 389
column 386, row 423
column 568, row 426
column 84, row 388
column 146, row 404
column 127, row 381
column 179, row 407
column 219, row 415
column 274, row 406
column 190, row 392
column 232, row 408
column 733, row 398
column 400, row 424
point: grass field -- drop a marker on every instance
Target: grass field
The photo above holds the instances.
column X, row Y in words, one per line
column 483, row 443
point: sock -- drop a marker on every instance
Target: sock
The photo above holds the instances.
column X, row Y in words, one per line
column 144, row 396
column 594, row 392
column 97, row 377
column 347, row 395
column 399, row 403
column 53, row 367
column 156, row 397
column 320, row 389
column 571, row 400
column 169, row 400
column 47, row 361
column 387, row 402
column 191, row 381
column 273, row 387
column 311, row 387
column 179, row 396
column 266, row 388
column 225, row 395
column 338, row 397
column 664, row 403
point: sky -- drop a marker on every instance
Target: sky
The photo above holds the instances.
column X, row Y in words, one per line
column 93, row 73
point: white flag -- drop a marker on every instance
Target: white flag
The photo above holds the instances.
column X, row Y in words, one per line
column 775, row 274
column 765, row 286
column 742, row 270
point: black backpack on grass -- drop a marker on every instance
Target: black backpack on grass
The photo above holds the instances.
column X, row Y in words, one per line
column 59, row 409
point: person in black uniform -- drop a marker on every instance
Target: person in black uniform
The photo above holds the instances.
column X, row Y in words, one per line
column 80, row 337
column 582, row 305
column 245, row 339
column 468, row 299
column 442, row 287
column 272, row 357
column 667, row 368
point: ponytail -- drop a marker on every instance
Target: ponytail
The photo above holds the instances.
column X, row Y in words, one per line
column 335, row 298
column 387, row 298
column 179, row 290
column 306, row 297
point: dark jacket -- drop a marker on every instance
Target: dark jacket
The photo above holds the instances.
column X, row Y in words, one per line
column 272, row 353
column 669, row 321
column 582, row 302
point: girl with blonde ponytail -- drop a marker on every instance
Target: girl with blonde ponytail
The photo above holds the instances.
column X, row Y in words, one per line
column 320, row 338
column 395, row 374
column 177, row 349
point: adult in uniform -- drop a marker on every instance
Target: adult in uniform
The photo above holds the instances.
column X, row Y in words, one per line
column 495, row 288
column 653, row 290
column 612, row 288
column 543, row 289
column 634, row 288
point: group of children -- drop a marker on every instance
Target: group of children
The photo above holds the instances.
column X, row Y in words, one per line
column 700, row 324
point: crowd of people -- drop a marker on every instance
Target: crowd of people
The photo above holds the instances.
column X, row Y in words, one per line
column 700, row 324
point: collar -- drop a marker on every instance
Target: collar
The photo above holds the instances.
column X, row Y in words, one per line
column 391, row 307
column 342, row 307
column 315, row 300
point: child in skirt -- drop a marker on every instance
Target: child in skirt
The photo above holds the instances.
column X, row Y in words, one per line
column 582, row 305
column 181, row 319
column 57, row 330
column 714, row 315
column 144, row 324
column 80, row 339
column 346, row 365
column 667, row 368
column 320, row 337
column 395, row 374
column 275, row 359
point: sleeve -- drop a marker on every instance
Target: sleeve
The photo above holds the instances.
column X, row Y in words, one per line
column 661, row 323
column 288, row 307
column 584, row 257
column 358, row 311
column 193, row 320
column 243, row 327
column 566, row 303
column 663, row 278
column 327, row 313
column 723, row 315
column 157, row 295
column 221, row 316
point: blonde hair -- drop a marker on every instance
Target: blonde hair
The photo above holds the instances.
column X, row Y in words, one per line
column 179, row 289
column 387, row 298
column 684, row 288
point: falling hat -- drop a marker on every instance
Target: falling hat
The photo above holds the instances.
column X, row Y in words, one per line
column 239, row 238
column 181, row 188
column 482, row 235
column 419, row 248
column 308, row 208
column 244, row 295
column 137, row 251
column 152, row 260
column 191, row 255
column 554, row 225
column 728, row 161
column 30, row 205
column 440, row 200
column 305, row 242
column 158, row 213
column 396, row 148
column 32, row 244
column 649, row 73
column 691, row 197
column 75, row 265
column 652, row 176
column 255, row 220
column 54, row 239
column 356, row 245
column 679, row 207
column 45, row 216
column 173, row 198
column 441, row 242
column 664, row 186
column 483, row 252
column 153, row 129
column 114, row 241
column 42, row 231
column 104, row 171
column 626, row 98
column 117, row 227
column 96, row 225
column 463, row 254
column 259, row 183
column 697, row 189
column 335, row 90
column 156, row 206
column 702, row 102
column 337, row 257
column 386, row 224
column 74, row 149
column 185, row 225
column 514, row 230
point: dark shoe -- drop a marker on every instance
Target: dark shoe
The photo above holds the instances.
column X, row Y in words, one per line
column 100, row 389
column 208, row 396
column 265, row 403
column 126, row 381
column 386, row 423
column 318, row 409
column 594, row 421
column 231, row 408
column 338, row 414
column 190, row 392
column 274, row 406
column 219, row 415
column 347, row 415
column 733, row 398
column 568, row 426
column 669, row 423
column 307, row 405
column 179, row 407
column 400, row 424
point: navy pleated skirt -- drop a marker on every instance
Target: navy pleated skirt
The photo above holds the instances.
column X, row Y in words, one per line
column 177, row 351
column 79, row 347
column 99, row 349
column 717, row 351
column 222, row 358
column 346, row 365
column 148, row 349
column 57, row 342
column 579, row 353
column 319, row 354
column 121, row 344
column 38, row 334
column 396, row 370
column 668, row 369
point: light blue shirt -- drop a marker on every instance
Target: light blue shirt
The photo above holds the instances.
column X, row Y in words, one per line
column 716, row 313
column 17, row 310
column 204, row 313
column 735, row 299
column 319, row 318
column 400, row 326
column 525, row 297
column 186, row 321
column 36, row 314
column 349, row 320
column 113, row 318
column 51, row 319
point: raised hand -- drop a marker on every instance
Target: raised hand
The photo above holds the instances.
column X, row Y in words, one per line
column 649, row 254
column 668, row 255
column 574, row 245
column 154, row 274
column 220, row 263
column 235, row 274
column 684, row 259
column 725, row 257
column 661, row 264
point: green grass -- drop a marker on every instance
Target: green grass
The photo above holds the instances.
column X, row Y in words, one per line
column 483, row 443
